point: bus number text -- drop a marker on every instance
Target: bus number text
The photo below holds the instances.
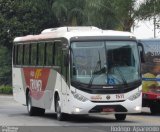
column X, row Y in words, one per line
column 119, row 96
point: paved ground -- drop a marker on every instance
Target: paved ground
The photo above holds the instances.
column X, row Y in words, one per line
column 14, row 114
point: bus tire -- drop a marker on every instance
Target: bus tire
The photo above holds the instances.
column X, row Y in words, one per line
column 60, row 115
column 33, row 111
column 120, row 117
column 40, row 111
column 154, row 109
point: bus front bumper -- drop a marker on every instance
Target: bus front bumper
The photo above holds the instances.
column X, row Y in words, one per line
column 89, row 107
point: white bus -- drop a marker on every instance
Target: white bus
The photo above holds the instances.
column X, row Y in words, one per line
column 78, row 70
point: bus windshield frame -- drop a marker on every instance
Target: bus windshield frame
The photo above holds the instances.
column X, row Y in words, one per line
column 105, row 63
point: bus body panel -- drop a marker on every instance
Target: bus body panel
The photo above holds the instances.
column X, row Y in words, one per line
column 18, row 85
column 62, row 88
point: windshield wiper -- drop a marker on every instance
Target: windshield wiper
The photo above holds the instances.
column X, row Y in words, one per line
column 94, row 73
column 93, row 76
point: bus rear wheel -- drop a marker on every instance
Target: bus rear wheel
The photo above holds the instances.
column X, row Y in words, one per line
column 120, row 117
column 33, row 111
column 60, row 115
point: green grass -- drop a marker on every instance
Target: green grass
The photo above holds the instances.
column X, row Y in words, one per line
column 5, row 89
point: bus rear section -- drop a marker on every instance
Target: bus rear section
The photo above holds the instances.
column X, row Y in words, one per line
column 151, row 75
column 89, row 71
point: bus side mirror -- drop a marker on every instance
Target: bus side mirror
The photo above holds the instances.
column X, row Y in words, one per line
column 141, row 52
column 66, row 60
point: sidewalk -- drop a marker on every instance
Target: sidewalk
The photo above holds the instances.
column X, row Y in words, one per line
column 6, row 95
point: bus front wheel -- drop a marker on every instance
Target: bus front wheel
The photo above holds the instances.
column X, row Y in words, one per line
column 154, row 109
column 60, row 115
column 120, row 117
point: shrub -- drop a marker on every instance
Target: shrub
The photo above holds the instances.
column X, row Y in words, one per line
column 5, row 89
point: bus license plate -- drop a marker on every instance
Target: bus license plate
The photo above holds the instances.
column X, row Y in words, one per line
column 108, row 110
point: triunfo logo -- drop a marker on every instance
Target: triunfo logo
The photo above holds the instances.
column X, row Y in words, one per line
column 38, row 73
column 36, row 83
column 36, row 79
column 96, row 97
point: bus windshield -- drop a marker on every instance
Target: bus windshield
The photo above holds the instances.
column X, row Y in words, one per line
column 105, row 62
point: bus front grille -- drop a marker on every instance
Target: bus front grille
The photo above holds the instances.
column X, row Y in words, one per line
column 108, row 108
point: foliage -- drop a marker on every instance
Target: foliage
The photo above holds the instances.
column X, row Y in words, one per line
column 69, row 12
column 18, row 18
column 125, row 13
column 148, row 9
column 100, row 13
column 5, row 89
column 5, row 66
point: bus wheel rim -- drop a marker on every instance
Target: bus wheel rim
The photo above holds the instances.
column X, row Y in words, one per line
column 58, row 110
column 29, row 105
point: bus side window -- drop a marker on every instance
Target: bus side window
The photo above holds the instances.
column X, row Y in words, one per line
column 58, row 53
column 49, row 54
column 64, row 66
column 20, row 54
column 26, row 54
column 34, row 54
column 41, row 54
column 15, row 54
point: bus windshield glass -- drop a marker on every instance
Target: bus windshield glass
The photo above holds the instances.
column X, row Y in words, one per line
column 105, row 62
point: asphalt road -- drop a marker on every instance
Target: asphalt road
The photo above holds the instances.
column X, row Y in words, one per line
column 15, row 114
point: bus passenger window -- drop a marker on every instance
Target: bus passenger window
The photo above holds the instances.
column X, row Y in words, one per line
column 15, row 55
column 20, row 54
column 58, row 53
column 41, row 52
column 49, row 54
column 33, row 54
column 26, row 54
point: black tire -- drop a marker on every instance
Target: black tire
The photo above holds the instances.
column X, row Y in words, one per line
column 60, row 115
column 154, row 110
column 33, row 111
column 120, row 117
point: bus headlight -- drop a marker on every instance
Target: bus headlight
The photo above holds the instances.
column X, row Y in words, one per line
column 79, row 97
column 134, row 96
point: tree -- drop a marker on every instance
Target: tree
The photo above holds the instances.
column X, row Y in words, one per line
column 18, row 18
column 148, row 9
column 5, row 66
column 70, row 12
column 125, row 13
column 100, row 13
column 113, row 14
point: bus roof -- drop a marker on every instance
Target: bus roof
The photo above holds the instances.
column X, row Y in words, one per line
column 69, row 32
column 152, row 39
